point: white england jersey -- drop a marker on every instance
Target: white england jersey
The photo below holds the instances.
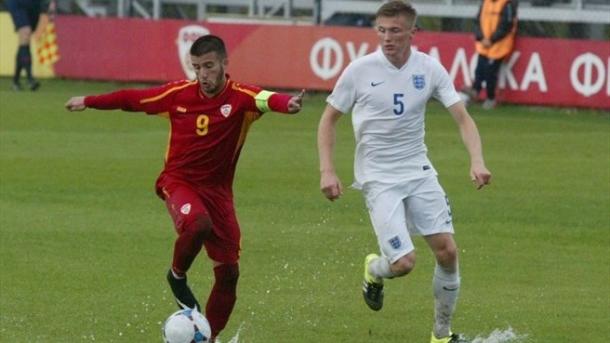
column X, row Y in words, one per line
column 388, row 114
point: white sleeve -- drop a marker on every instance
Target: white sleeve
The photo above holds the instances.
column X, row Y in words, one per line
column 344, row 94
column 444, row 91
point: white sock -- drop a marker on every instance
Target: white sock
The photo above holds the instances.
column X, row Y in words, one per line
column 380, row 268
column 446, row 287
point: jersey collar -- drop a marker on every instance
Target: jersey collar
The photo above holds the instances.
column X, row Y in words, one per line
column 384, row 60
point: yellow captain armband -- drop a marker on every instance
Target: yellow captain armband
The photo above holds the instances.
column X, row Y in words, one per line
column 262, row 100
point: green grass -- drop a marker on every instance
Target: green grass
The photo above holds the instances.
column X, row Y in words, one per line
column 85, row 243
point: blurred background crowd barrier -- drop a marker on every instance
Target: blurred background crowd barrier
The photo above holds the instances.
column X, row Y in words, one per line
column 562, row 55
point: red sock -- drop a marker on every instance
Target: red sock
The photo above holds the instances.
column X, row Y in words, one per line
column 189, row 244
column 222, row 298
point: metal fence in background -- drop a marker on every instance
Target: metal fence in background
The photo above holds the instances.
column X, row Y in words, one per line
column 320, row 11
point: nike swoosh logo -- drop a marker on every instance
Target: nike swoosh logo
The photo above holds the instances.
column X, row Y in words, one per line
column 375, row 84
column 450, row 289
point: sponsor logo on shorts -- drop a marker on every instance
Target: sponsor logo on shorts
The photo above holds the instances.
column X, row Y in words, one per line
column 186, row 208
column 395, row 242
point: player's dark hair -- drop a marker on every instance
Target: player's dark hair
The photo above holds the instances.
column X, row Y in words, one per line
column 208, row 43
column 395, row 8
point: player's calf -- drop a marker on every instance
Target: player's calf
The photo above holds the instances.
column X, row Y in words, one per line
column 403, row 265
column 223, row 296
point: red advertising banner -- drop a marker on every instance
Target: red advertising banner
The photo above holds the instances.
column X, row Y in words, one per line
column 553, row 72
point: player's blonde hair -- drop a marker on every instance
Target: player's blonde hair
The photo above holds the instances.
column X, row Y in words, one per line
column 395, row 8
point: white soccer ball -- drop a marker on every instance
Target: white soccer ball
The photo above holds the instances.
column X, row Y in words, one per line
column 186, row 326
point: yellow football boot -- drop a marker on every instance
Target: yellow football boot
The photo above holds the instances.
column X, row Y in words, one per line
column 372, row 288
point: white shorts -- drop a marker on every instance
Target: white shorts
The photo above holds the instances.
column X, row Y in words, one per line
column 416, row 207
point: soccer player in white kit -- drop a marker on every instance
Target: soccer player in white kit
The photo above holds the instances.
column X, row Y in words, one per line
column 387, row 91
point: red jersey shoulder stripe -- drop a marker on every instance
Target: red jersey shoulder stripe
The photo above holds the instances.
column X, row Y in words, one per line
column 167, row 92
column 236, row 86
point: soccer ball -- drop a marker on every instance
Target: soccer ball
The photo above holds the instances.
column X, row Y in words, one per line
column 186, row 326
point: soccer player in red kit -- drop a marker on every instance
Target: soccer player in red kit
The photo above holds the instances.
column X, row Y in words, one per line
column 209, row 120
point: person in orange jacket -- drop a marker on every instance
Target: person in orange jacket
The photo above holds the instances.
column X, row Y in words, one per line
column 495, row 31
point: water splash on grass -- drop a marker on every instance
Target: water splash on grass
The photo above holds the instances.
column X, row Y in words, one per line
column 235, row 339
column 501, row 336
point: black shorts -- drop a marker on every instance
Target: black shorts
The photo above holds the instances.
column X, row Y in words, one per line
column 24, row 12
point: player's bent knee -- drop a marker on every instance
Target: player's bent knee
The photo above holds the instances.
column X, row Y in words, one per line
column 404, row 265
column 201, row 226
column 447, row 255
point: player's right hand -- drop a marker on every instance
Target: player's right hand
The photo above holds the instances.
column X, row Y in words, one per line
column 76, row 103
column 330, row 185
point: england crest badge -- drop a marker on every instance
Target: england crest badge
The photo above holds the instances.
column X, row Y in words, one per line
column 419, row 81
column 395, row 242
column 225, row 110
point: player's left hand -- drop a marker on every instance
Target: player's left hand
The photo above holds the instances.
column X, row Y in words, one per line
column 296, row 102
column 479, row 175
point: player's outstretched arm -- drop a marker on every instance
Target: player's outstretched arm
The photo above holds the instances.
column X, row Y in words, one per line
column 151, row 100
column 76, row 103
column 330, row 185
column 479, row 174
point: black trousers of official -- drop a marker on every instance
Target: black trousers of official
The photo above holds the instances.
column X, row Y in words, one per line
column 487, row 70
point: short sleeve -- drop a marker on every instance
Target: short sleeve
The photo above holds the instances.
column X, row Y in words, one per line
column 344, row 94
column 445, row 91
